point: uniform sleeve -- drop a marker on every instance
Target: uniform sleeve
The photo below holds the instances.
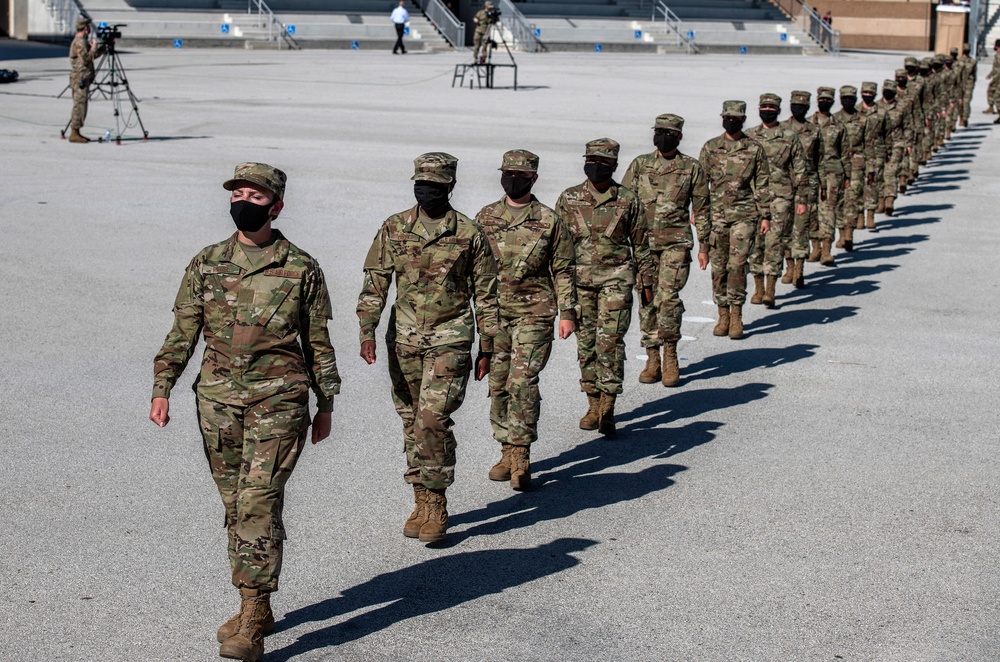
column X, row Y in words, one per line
column 845, row 155
column 180, row 343
column 375, row 287
column 628, row 180
column 320, row 358
column 799, row 173
column 640, row 243
column 484, row 282
column 762, row 185
column 700, row 206
column 564, row 270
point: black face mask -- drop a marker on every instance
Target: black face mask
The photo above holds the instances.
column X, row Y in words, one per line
column 598, row 172
column 848, row 103
column 910, row 69
column 964, row 52
column 732, row 125
column 249, row 217
column 889, row 95
column 925, row 72
column 515, row 187
column 869, row 98
column 666, row 141
column 769, row 116
column 902, row 82
column 824, row 105
column 431, row 196
column 799, row 111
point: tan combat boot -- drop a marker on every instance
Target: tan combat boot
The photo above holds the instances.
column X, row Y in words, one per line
column 230, row 627
column 722, row 326
column 880, row 207
column 651, row 373
column 607, row 425
column 841, row 232
column 75, row 137
column 890, row 206
column 901, row 185
column 989, row 110
column 758, row 289
column 247, row 643
column 735, row 322
column 860, row 223
column 436, row 524
column 520, row 468
column 671, row 371
column 826, row 259
column 849, row 238
column 814, row 255
column 592, row 418
column 411, row 529
column 870, row 221
column 771, row 282
column 786, row 277
column 501, row 470
column 798, row 275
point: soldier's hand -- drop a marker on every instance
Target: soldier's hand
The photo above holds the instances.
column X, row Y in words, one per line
column 765, row 226
column 483, row 365
column 159, row 411
column 566, row 328
column 871, row 178
column 646, row 297
column 822, row 193
column 800, row 209
column 368, row 351
column 322, row 423
column 702, row 261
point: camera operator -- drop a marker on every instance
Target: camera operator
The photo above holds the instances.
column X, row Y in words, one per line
column 81, row 59
column 483, row 20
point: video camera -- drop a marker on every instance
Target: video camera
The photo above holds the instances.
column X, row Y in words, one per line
column 108, row 33
column 493, row 15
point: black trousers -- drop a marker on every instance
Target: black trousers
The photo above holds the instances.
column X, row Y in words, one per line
column 400, row 27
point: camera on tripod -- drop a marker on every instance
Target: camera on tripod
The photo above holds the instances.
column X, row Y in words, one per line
column 108, row 33
column 493, row 15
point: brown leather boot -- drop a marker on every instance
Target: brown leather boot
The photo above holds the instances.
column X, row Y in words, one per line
column 436, row 524
column 840, row 238
column 607, row 425
column 722, row 326
column 671, row 371
column 816, row 251
column 247, row 643
column 903, row 181
column 501, row 470
column 989, row 110
column 799, row 275
column 880, row 207
column 890, row 206
column 592, row 418
column 75, row 137
column 651, row 373
column 735, row 322
column 848, row 239
column 758, row 289
column 786, row 277
column 770, row 283
column 520, row 468
column 230, row 627
column 965, row 123
column 826, row 259
column 411, row 529
column 859, row 224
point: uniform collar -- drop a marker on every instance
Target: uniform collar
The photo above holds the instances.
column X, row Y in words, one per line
column 277, row 251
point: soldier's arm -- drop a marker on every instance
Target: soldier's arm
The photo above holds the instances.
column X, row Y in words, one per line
column 564, row 270
column 375, row 287
column 640, row 244
column 320, row 358
column 182, row 339
column 484, row 281
column 799, row 173
column 700, row 207
column 762, row 185
column 628, row 179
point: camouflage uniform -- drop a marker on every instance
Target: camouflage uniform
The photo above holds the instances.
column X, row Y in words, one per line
column 438, row 270
column 266, row 343
column 970, row 69
column 915, row 90
column 788, row 182
column 667, row 188
column 896, row 132
column 534, row 254
column 610, row 240
column 480, row 48
column 833, row 162
column 930, row 105
column 875, row 155
column 738, row 176
column 806, row 223
column 81, row 75
column 913, row 116
column 854, row 160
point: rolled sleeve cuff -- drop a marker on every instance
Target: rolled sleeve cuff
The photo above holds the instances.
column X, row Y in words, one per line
column 486, row 344
column 161, row 391
column 324, row 404
column 367, row 333
column 568, row 315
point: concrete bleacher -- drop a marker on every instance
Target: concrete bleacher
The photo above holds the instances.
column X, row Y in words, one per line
column 731, row 10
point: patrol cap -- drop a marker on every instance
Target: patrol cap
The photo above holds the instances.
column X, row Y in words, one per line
column 734, row 108
column 770, row 99
column 825, row 93
column 869, row 86
column 996, row 43
column 953, row 51
column 889, row 84
column 603, row 147
column 669, row 121
column 82, row 22
column 902, row 73
column 437, row 167
column 911, row 61
column 260, row 174
column 925, row 63
column 848, row 91
column 520, row 160
column 801, row 96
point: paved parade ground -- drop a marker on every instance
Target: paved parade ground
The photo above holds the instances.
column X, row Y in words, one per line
column 824, row 489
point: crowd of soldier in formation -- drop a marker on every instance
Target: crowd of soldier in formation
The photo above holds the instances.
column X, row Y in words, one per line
column 756, row 199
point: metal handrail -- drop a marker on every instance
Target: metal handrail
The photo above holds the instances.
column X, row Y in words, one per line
column 272, row 22
column 673, row 23
column 65, row 13
column 522, row 32
column 452, row 29
column 810, row 22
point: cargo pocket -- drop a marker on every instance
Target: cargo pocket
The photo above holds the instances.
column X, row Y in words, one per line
column 451, row 374
column 277, row 440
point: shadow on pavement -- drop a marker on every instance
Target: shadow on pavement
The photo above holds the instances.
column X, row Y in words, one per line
column 731, row 363
column 427, row 587
column 12, row 49
column 785, row 320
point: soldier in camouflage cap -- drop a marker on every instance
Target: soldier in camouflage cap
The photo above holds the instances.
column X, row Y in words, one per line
column 875, row 157
column 789, row 184
column 672, row 189
column 441, row 262
column 832, row 165
column 608, row 229
column 482, row 23
column 740, row 210
column 969, row 75
column 262, row 305
column 994, row 77
column 896, row 130
column 909, row 99
column 854, row 166
column 804, row 223
column 534, row 254
column 81, row 76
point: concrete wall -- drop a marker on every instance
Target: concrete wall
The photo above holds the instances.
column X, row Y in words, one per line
column 880, row 24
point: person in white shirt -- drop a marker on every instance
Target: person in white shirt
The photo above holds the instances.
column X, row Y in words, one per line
column 400, row 17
